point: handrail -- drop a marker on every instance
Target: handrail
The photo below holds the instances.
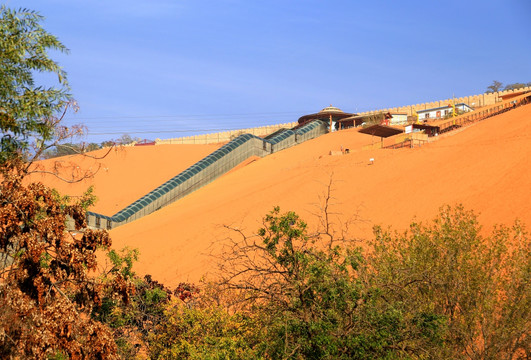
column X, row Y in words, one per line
column 205, row 171
column 482, row 113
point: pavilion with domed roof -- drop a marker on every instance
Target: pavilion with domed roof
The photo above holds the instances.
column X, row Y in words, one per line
column 332, row 115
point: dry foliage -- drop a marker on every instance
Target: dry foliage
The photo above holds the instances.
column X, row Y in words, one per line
column 47, row 291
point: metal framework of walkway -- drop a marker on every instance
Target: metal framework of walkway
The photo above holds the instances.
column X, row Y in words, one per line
column 207, row 170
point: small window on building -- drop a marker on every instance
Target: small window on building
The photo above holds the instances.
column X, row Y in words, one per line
column 445, row 112
column 427, row 116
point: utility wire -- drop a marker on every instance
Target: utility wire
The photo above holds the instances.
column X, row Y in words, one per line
column 185, row 117
column 159, row 131
column 234, row 121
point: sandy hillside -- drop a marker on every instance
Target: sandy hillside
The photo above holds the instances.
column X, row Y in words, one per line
column 486, row 167
column 125, row 174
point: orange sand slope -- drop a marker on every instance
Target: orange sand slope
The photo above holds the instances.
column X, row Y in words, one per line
column 486, row 167
column 125, row 174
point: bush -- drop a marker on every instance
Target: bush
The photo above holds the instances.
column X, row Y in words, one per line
column 474, row 291
column 439, row 290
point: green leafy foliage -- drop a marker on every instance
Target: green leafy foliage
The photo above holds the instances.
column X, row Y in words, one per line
column 473, row 293
column 313, row 299
column 438, row 291
column 26, row 108
column 47, row 285
column 131, row 319
column 204, row 332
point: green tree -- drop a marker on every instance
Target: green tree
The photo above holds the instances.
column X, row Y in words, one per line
column 476, row 288
column 311, row 298
column 205, row 331
column 438, row 291
column 130, row 319
column 27, row 110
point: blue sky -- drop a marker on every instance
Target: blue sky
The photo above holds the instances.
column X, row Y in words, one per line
column 163, row 68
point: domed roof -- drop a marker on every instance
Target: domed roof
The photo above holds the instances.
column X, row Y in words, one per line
column 325, row 114
column 331, row 109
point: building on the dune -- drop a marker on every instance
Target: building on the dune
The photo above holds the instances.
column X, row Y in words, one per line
column 381, row 118
column 398, row 119
column 338, row 119
column 442, row 111
column 330, row 114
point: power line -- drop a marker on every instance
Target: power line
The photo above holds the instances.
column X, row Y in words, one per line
column 187, row 116
column 158, row 131
column 204, row 122
column 170, row 126
column 239, row 121
column 99, row 121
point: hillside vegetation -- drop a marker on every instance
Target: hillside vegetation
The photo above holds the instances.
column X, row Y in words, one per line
column 442, row 289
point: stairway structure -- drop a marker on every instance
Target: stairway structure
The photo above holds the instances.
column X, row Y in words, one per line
column 207, row 170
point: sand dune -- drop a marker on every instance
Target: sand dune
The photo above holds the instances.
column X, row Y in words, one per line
column 125, row 174
column 486, row 167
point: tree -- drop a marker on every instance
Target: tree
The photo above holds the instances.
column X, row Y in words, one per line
column 515, row 86
column 47, row 290
column 374, row 119
column 205, row 330
column 310, row 297
column 477, row 289
column 495, row 87
column 498, row 86
column 27, row 110
column 31, row 114
column 130, row 321
column 69, row 149
column 437, row 291
column 126, row 139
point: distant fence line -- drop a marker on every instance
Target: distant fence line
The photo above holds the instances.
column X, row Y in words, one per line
column 474, row 101
column 226, row 136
